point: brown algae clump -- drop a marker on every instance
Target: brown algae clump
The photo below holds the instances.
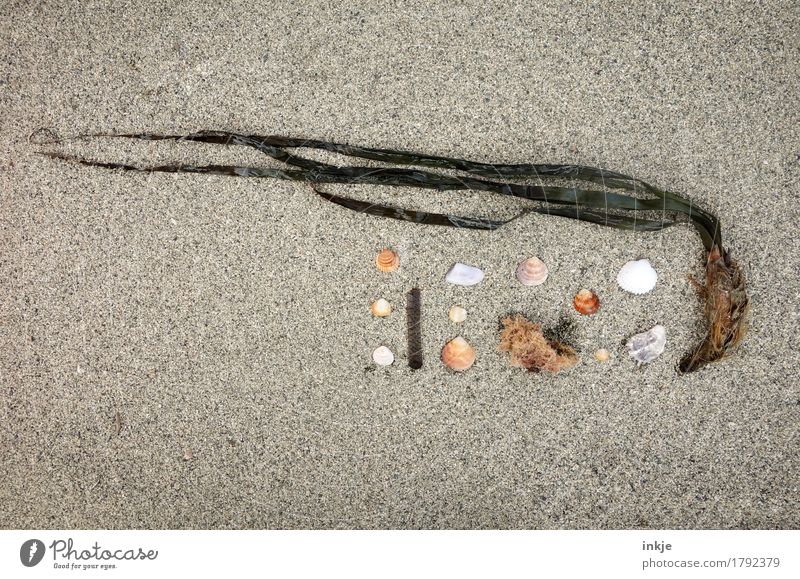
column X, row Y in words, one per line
column 530, row 349
column 726, row 310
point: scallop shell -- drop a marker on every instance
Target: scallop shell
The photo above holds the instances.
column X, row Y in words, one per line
column 532, row 271
column 381, row 308
column 649, row 345
column 458, row 355
column 387, row 261
column 586, row 302
column 637, row 277
column 602, row 355
column 462, row 274
column 383, row 356
column 457, row 314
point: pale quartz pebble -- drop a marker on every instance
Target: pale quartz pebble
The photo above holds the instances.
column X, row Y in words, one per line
column 457, row 314
column 649, row 345
column 381, row 308
column 637, row 277
column 462, row 274
column 602, row 355
column 383, row 356
column 532, row 272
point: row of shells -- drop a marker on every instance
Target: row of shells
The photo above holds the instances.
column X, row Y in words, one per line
column 636, row 277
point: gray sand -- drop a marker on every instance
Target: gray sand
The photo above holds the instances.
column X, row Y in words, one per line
column 226, row 320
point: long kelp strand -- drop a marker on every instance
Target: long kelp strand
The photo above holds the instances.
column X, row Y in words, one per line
column 706, row 223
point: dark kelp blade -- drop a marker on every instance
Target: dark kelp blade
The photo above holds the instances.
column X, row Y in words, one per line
column 421, row 217
column 428, row 218
column 325, row 173
column 607, row 178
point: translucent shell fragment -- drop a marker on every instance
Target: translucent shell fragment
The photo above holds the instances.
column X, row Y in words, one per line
column 462, row 274
column 387, row 261
column 649, row 345
column 532, row 272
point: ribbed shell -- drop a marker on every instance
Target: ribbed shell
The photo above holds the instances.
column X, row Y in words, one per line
column 458, row 355
column 387, row 261
column 637, row 277
column 532, row 272
column 383, row 356
column 586, row 302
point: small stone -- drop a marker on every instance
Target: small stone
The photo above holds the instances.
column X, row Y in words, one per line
column 457, row 314
column 602, row 355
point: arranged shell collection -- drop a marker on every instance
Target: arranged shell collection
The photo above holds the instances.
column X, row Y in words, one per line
column 529, row 346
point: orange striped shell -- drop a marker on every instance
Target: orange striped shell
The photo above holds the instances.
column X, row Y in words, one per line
column 586, row 302
column 387, row 261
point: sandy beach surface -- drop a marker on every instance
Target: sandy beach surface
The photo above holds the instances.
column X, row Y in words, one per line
column 193, row 351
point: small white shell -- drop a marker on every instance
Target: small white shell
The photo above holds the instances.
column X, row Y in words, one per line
column 383, row 356
column 532, row 272
column 649, row 345
column 457, row 314
column 637, row 277
column 461, row 274
column 381, row 308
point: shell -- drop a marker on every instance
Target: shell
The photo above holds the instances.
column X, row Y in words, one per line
column 381, row 308
column 383, row 356
column 602, row 355
column 387, row 261
column 647, row 346
column 462, row 274
column 457, row 314
column 586, row 302
column 637, row 277
column 458, row 355
column 532, row 271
